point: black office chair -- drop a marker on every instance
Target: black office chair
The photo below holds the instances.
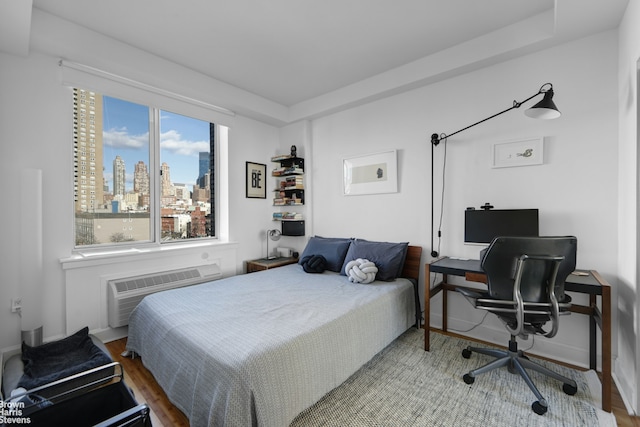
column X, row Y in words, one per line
column 525, row 277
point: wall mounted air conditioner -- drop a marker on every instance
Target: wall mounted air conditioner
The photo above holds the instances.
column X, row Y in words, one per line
column 125, row 294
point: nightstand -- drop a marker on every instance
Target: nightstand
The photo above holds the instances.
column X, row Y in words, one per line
column 266, row 264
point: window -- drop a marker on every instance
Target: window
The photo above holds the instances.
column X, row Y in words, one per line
column 149, row 168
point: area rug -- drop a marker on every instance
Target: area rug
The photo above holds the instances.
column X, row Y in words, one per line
column 406, row 386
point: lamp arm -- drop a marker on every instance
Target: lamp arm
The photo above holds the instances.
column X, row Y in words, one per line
column 435, row 138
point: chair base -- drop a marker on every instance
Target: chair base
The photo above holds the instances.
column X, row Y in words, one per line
column 516, row 361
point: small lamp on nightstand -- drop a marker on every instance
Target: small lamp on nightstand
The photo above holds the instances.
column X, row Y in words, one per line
column 275, row 236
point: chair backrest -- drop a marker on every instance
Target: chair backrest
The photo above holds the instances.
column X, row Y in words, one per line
column 501, row 259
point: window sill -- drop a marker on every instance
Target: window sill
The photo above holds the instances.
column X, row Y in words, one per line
column 87, row 259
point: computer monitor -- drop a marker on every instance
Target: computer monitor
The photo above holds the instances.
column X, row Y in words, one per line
column 482, row 226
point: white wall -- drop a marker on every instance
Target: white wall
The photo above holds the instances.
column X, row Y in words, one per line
column 574, row 188
column 628, row 306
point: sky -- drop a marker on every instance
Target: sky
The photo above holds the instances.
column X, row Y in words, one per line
column 126, row 133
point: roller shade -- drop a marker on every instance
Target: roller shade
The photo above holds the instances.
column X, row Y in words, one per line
column 103, row 82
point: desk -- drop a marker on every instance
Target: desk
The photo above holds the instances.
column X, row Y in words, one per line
column 592, row 284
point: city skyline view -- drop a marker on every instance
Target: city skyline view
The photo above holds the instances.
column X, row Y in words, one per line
column 114, row 172
column 126, row 134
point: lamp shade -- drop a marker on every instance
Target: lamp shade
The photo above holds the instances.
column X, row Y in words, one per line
column 545, row 109
column 274, row 234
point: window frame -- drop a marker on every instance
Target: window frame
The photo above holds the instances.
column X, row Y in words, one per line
column 157, row 100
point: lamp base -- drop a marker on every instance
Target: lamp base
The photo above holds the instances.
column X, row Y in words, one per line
column 33, row 337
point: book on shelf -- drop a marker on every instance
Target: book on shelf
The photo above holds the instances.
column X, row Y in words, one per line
column 292, row 216
column 292, row 183
column 287, row 171
column 287, row 216
column 288, row 201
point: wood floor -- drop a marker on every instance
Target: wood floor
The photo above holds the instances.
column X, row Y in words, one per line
column 146, row 389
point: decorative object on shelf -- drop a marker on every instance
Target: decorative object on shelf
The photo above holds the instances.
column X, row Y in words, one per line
column 370, row 174
column 294, row 151
column 275, row 236
column 255, row 175
column 525, row 152
column 545, row 109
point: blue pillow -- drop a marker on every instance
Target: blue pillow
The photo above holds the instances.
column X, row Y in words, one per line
column 333, row 249
column 388, row 257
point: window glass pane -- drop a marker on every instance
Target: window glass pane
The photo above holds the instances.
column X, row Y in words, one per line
column 111, row 149
column 187, row 179
column 119, row 189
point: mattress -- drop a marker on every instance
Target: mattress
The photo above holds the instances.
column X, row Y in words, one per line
column 257, row 349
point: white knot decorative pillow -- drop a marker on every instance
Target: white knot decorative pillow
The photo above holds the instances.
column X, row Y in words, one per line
column 361, row 271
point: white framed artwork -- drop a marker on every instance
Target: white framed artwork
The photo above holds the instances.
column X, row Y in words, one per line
column 370, row 174
column 524, row 152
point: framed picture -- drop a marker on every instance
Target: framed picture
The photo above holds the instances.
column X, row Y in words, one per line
column 525, row 152
column 256, row 177
column 370, row 174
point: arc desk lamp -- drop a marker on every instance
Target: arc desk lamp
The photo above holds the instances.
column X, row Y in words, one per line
column 545, row 109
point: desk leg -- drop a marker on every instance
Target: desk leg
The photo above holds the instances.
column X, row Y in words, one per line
column 606, row 348
column 427, row 305
column 593, row 338
column 445, row 304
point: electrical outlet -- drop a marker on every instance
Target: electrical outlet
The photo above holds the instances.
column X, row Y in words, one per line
column 16, row 305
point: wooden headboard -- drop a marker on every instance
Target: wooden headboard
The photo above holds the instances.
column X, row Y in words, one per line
column 411, row 269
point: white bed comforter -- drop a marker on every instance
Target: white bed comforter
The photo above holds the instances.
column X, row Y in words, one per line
column 257, row 349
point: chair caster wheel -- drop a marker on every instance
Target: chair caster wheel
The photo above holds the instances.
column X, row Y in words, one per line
column 569, row 389
column 538, row 408
column 468, row 379
column 466, row 353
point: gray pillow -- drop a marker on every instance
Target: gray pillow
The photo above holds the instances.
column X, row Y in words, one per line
column 333, row 249
column 388, row 257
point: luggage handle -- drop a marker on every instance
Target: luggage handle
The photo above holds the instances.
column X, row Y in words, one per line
column 88, row 372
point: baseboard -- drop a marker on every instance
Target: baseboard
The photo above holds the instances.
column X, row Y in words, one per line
column 111, row 334
column 496, row 334
column 626, row 390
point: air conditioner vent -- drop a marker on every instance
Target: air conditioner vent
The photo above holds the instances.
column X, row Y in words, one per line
column 125, row 294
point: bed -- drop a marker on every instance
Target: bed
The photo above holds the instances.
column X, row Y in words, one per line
column 257, row 349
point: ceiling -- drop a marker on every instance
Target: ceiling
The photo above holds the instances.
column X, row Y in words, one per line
column 292, row 51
